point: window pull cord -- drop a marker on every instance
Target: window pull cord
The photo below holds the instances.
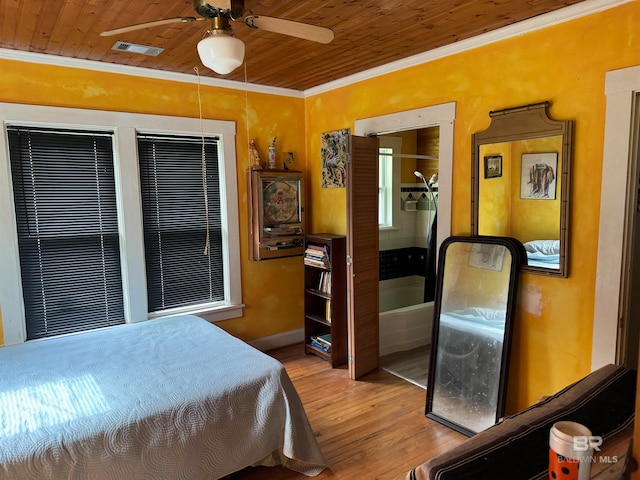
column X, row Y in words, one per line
column 204, row 170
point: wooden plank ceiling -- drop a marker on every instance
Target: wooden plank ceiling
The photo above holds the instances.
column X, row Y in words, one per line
column 368, row 33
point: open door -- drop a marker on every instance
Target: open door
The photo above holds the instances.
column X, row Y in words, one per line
column 362, row 256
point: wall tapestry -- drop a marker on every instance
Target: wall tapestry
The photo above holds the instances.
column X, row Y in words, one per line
column 333, row 149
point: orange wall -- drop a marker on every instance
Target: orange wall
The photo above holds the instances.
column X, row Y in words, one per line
column 564, row 64
column 272, row 289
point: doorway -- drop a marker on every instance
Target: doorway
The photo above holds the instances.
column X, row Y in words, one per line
column 615, row 331
column 440, row 117
column 408, row 169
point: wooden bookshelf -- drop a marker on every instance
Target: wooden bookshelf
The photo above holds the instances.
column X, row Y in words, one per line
column 325, row 296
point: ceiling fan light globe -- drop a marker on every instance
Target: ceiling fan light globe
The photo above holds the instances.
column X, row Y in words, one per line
column 221, row 53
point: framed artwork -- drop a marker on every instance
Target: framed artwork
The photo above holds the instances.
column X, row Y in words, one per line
column 492, row 166
column 486, row 255
column 276, row 210
column 538, row 176
column 334, row 147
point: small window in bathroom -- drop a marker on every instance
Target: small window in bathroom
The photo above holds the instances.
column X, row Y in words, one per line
column 385, row 186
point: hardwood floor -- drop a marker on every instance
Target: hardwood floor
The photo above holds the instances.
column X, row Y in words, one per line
column 411, row 365
column 373, row 428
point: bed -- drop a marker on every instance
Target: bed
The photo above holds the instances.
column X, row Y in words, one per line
column 171, row 398
column 543, row 253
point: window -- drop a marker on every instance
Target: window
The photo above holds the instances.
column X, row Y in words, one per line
column 385, row 186
column 67, row 228
column 182, row 222
column 126, row 187
column 390, row 148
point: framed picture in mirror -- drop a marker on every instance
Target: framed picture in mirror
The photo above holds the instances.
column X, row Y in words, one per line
column 487, row 256
column 492, row 166
column 538, row 176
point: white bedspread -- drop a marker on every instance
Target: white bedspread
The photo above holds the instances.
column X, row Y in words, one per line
column 172, row 398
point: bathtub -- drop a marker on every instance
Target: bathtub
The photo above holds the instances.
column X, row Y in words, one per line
column 405, row 321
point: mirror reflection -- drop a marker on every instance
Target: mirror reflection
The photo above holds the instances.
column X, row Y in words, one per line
column 518, row 195
column 520, row 184
column 472, row 329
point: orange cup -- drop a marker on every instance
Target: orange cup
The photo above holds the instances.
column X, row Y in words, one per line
column 568, row 459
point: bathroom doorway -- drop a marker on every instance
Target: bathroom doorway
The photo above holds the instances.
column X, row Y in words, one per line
column 405, row 319
column 407, row 213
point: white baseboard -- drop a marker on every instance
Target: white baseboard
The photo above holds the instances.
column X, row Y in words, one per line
column 279, row 340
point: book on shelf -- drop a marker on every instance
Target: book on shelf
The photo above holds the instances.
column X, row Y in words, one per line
column 316, row 262
column 318, row 248
column 323, row 342
column 324, row 339
column 324, row 282
column 327, row 314
column 320, row 346
column 316, row 255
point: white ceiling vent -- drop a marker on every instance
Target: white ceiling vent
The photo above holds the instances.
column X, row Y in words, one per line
column 134, row 48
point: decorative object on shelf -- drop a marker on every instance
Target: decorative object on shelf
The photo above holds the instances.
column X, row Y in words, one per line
column 288, row 161
column 334, row 148
column 272, row 154
column 254, row 156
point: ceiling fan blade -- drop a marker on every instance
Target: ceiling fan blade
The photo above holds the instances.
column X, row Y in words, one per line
column 291, row 28
column 155, row 23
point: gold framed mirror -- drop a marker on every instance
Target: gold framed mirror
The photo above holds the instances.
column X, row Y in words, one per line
column 520, row 184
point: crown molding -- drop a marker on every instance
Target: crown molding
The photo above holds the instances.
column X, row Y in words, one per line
column 60, row 61
column 562, row 15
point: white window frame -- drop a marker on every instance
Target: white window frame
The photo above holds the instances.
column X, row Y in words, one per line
column 125, row 126
column 385, row 174
column 389, row 180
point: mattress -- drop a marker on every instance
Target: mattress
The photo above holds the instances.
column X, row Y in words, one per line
column 171, row 398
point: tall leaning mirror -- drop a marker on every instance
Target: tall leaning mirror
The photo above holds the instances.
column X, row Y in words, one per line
column 472, row 326
column 520, row 172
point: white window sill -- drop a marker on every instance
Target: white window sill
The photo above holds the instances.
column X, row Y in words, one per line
column 211, row 313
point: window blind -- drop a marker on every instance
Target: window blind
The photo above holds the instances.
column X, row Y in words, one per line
column 64, row 195
column 180, row 203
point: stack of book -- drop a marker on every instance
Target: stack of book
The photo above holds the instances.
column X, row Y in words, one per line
column 316, row 256
column 323, row 342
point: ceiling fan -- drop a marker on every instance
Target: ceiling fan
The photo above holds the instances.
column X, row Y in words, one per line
column 221, row 51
